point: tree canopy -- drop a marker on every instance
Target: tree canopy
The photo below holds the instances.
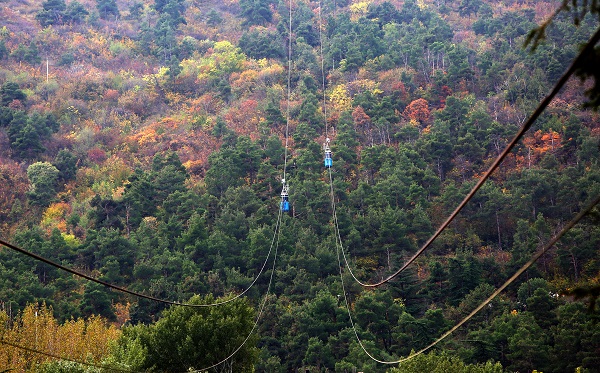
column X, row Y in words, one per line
column 144, row 144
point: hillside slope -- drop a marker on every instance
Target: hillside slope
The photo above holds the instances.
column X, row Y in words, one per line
column 144, row 142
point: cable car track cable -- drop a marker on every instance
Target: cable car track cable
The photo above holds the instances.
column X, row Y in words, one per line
column 284, row 205
column 323, row 70
column 589, row 46
column 289, row 93
column 281, row 209
column 258, row 317
column 519, row 272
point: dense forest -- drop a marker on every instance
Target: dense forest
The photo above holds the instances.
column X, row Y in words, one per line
column 143, row 143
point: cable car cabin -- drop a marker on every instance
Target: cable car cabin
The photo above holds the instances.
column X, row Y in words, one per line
column 285, row 204
column 328, row 160
column 285, row 199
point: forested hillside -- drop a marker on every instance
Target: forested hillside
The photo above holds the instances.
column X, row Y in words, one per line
column 143, row 143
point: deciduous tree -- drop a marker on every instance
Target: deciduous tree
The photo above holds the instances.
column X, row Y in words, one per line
column 42, row 178
column 195, row 338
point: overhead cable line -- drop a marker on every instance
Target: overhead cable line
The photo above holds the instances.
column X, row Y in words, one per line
column 274, row 243
column 323, row 70
column 289, row 93
column 28, row 349
column 519, row 272
column 578, row 61
column 284, row 206
column 140, row 295
column 285, row 188
column 328, row 161
column 260, row 312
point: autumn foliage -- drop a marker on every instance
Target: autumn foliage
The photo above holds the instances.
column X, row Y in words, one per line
column 165, row 128
column 418, row 110
column 37, row 329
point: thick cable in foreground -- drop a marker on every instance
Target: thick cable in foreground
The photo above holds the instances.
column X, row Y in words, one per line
column 274, row 243
column 140, row 295
column 519, row 272
column 538, row 111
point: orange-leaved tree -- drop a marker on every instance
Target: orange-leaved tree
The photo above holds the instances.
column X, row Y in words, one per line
column 418, row 110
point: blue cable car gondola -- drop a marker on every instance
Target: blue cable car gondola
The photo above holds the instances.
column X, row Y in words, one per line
column 285, row 199
column 328, row 160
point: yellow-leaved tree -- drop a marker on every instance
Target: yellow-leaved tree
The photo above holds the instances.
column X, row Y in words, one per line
column 36, row 328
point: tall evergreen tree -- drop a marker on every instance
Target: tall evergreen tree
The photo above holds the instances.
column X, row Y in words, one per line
column 52, row 12
column 256, row 12
column 107, row 8
column 11, row 91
